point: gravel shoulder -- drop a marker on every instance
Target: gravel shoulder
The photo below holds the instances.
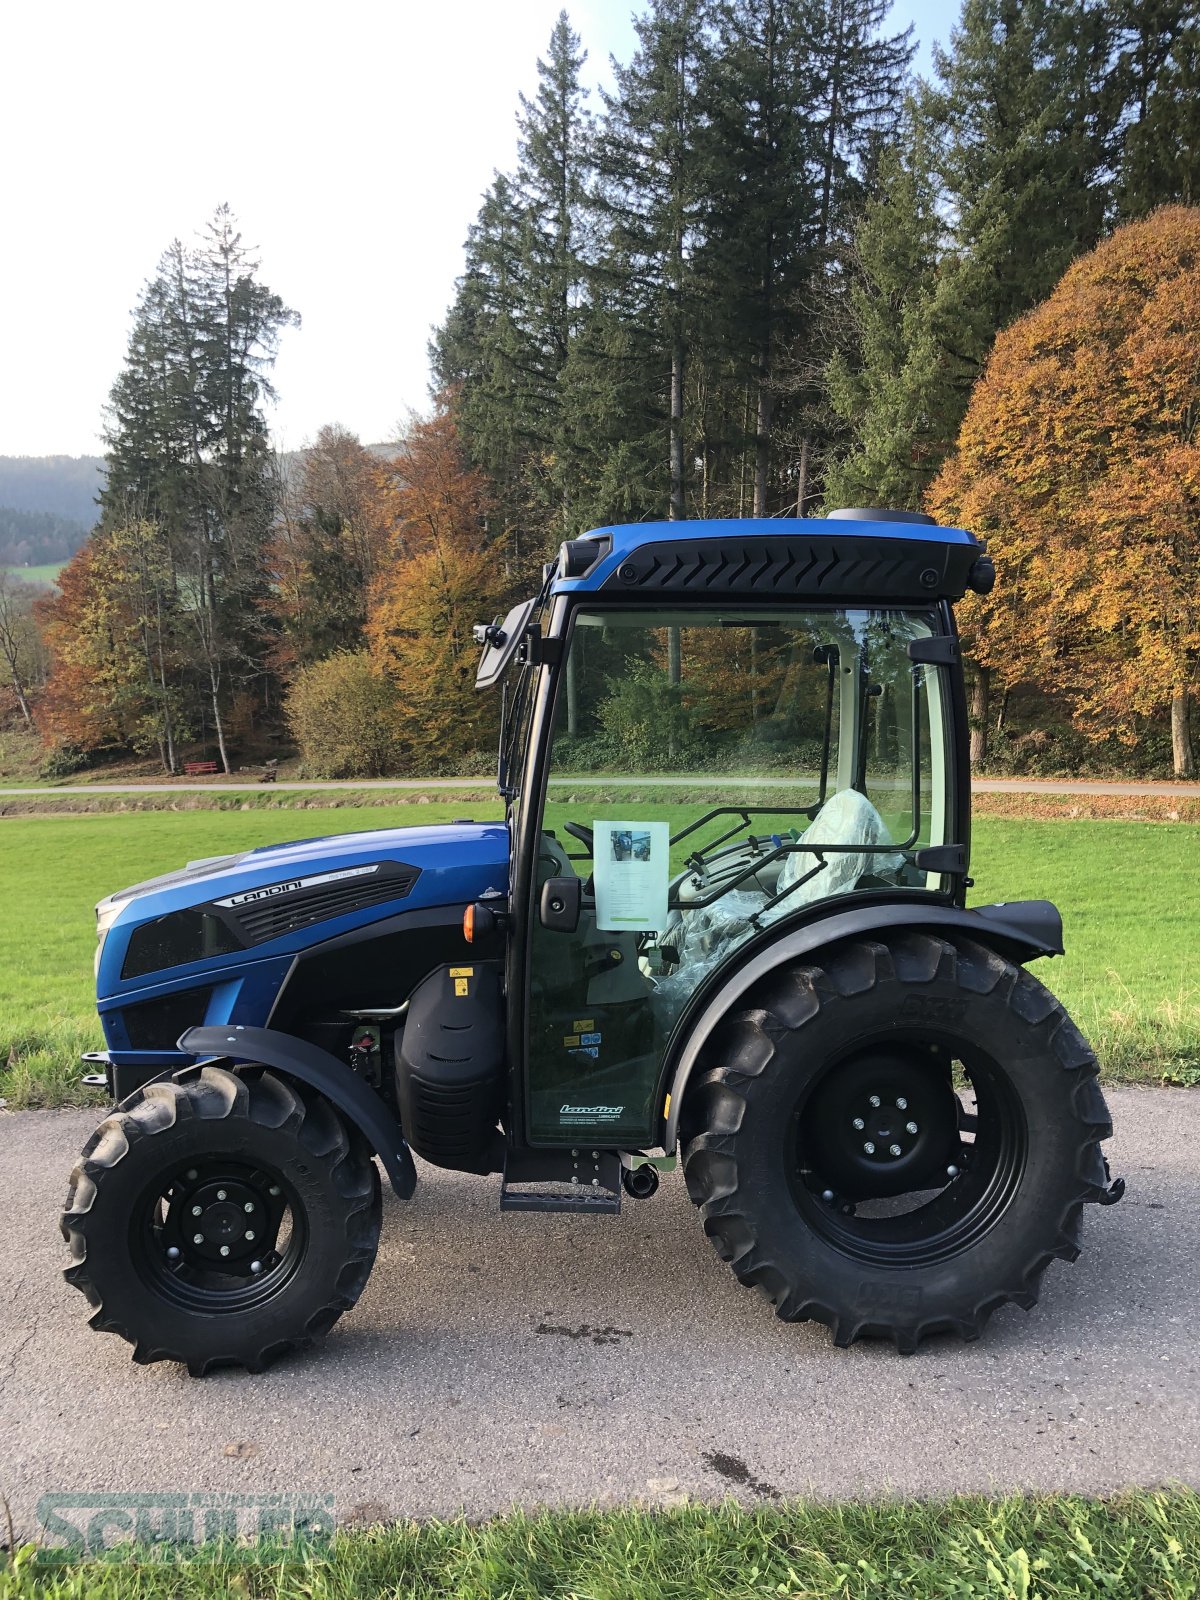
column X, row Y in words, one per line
column 568, row 1360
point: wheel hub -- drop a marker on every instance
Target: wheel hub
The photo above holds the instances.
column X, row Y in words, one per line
column 224, row 1221
column 883, row 1124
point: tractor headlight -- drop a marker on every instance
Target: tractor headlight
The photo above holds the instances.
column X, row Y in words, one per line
column 106, row 914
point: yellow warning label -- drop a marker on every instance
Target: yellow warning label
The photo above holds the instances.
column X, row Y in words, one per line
column 571, row 1039
column 460, row 986
column 667, row 1107
column 586, row 1026
column 462, row 972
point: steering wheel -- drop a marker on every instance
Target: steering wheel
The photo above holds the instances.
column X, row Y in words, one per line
column 578, row 831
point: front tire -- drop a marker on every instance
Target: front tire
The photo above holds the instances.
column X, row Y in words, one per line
column 222, row 1220
column 795, row 1151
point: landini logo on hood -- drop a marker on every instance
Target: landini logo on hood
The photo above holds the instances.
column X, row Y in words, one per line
column 270, row 889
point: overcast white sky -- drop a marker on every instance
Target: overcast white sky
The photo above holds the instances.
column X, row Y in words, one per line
column 353, row 142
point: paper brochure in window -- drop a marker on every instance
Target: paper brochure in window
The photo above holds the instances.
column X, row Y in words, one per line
column 631, row 873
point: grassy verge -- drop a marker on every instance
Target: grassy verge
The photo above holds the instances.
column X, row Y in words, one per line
column 1020, row 1548
column 1131, row 976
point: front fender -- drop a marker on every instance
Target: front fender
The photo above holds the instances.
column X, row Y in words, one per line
column 1020, row 930
column 341, row 1086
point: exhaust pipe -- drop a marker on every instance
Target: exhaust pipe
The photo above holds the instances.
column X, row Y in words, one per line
column 640, row 1182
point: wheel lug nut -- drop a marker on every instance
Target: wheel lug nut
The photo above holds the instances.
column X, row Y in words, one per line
column 274, row 1189
column 895, row 1149
column 869, row 1148
column 249, row 1206
column 901, row 1103
column 249, row 1234
column 952, row 1171
column 197, row 1238
column 220, row 1194
column 827, row 1196
column 224, row 1249
column 874, row 1099
column 256, row 1266
column 191, row 1175
column 910, row 1127
column 173, row 1253
column 197, row 1211
column 859, row 1124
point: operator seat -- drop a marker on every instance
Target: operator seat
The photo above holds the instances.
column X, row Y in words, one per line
column 846, row 818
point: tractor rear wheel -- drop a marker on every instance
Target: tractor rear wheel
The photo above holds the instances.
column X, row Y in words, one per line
column 222, row 1220
column 897, row 1141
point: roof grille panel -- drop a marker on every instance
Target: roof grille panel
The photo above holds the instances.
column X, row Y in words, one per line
column 858, row 570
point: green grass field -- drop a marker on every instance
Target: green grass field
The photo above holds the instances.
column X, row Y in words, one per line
column 45, row 576
column 1135, row 1547
column 1131, row 976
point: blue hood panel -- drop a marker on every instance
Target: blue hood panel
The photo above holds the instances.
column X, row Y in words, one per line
column 455, row 863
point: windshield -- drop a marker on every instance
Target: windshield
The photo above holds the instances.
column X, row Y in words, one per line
column 771, row 713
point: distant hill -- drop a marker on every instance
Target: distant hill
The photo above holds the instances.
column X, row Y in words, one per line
column 64, row 486
column 47, row 506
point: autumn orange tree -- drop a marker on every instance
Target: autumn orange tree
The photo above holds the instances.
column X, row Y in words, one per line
column 332, row 537
column 98, row 693
column 1080, row 460
column 444, row 577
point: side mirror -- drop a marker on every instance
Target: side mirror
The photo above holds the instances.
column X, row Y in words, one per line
column 559, row 909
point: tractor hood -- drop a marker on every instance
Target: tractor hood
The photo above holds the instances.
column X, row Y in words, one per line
column 283, row 898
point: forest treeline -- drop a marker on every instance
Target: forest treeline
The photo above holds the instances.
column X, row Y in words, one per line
column 38, row 538
column 763, row 274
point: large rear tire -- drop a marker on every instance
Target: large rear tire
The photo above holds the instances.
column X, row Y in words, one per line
column 221, row 1221
column 796, row 1154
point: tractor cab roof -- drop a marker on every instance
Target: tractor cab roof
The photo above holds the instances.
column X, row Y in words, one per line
column 851, row 557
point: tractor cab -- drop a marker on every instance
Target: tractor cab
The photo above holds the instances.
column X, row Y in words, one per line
column 713, row 736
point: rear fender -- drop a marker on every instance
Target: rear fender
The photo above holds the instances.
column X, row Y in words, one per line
column 1021, row 930
column 311, row 1065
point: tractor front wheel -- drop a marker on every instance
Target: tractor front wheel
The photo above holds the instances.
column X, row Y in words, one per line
column 897, row 1141
column 221, row 1220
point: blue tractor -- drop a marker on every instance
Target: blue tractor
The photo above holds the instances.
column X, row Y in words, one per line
column 724, row 922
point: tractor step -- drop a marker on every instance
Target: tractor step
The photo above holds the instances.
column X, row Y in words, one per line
column 583, row 1181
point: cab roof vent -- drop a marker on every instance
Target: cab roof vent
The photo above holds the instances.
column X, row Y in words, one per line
column 879, row 514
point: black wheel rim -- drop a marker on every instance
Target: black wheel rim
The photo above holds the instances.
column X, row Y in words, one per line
column 965, row 1185
column 218, row 1236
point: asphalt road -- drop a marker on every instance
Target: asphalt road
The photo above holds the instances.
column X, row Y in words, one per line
column 542, row 1359
column 1086, row 786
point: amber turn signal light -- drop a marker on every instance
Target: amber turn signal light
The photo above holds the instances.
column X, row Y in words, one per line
column 478, row 922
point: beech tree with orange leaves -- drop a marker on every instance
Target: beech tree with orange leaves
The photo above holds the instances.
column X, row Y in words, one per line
column 444, row 578
column 1079, row 459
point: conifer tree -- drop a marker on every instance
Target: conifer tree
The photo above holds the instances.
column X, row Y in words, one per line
column 653, row 165
column 188, row 453
column 888, row 381
column 1012, row 147
column 1158, row 79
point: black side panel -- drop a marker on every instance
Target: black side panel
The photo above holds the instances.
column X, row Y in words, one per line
column 826, row 568
column 379, row 965
column 317, row 1068
column 450, row 1067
